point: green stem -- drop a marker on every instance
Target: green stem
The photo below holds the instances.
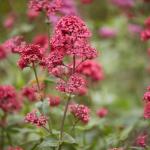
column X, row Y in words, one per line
column 63, row 121
column 36, row 77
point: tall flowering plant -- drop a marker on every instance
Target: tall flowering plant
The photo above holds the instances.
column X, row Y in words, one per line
column 69, row 62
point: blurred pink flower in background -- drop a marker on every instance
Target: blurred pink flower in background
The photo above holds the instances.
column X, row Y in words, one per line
column 10, row 20
column 30, row 93
column 141, row 140
column 102, row 112
column 41, row 40
column 92, row 70
column 10, row 101
column 3, row 53
column 134, row 28
column 123, row 3
column 107, row 32
column 54, row 101
column 32, row 14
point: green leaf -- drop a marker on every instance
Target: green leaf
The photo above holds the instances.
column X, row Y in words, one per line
column 68, row 138
column 50, row 141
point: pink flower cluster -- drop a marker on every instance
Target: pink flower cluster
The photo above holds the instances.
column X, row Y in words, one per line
column 54, row 101
column 102, row 112
column 41, row 40
column 3, row 53
column 30, row 93
column 141, row 140
column 48, row 6
column 30, row 54
column 14, row 44
column 145, row 35
column 74, row 85
column 9, row 100
column 35, row 119
column 9, row 20
column 123, row 3
column 107, row 32
column 146, row 99
column 68, row 8
column 92, row 70
column 80, row 112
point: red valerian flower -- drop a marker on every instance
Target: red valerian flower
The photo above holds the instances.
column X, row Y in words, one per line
column 48, row 6
column 145, row 35
column 147, row 22
column 14, row 44
column 71, row 36
column 30, row 54
column 9, row 20
column 54, row 101
column 41, row 40
column 35, row 119
column 74, row 84
column 9, row 100
column 81, row 112
column 32, row 14
column 72, row 26
column 3, row 53
column 14, row 148
column 91, row 69
column 107, row 32
column 59, row 71
column 141, row 140
column 30, row 93
column 53, row 60
column 102, row 112
column 147, row 110
column 123, row 3
column 146, row 97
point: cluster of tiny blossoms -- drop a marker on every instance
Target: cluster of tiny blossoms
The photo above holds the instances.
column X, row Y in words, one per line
column 50, row 7
column 80, row 112
column 123, row 3
column 145, row 35
column 30, row 93
column 141, row 140
column 146, row 99
column 54, row 101
column 9, row 99
column 35, row 119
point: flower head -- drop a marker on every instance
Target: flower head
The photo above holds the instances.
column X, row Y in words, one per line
column 29, row 54
column 147, row 110
column 102, row 112
column 3, row 52
column 35, row 119
column 74, row 84
column 107, row 32
column 41, row 40
column 54, row 101
column 141, row 140
column 9, row 100
column 30, row 93
column 80, row 112
column 92, row 70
